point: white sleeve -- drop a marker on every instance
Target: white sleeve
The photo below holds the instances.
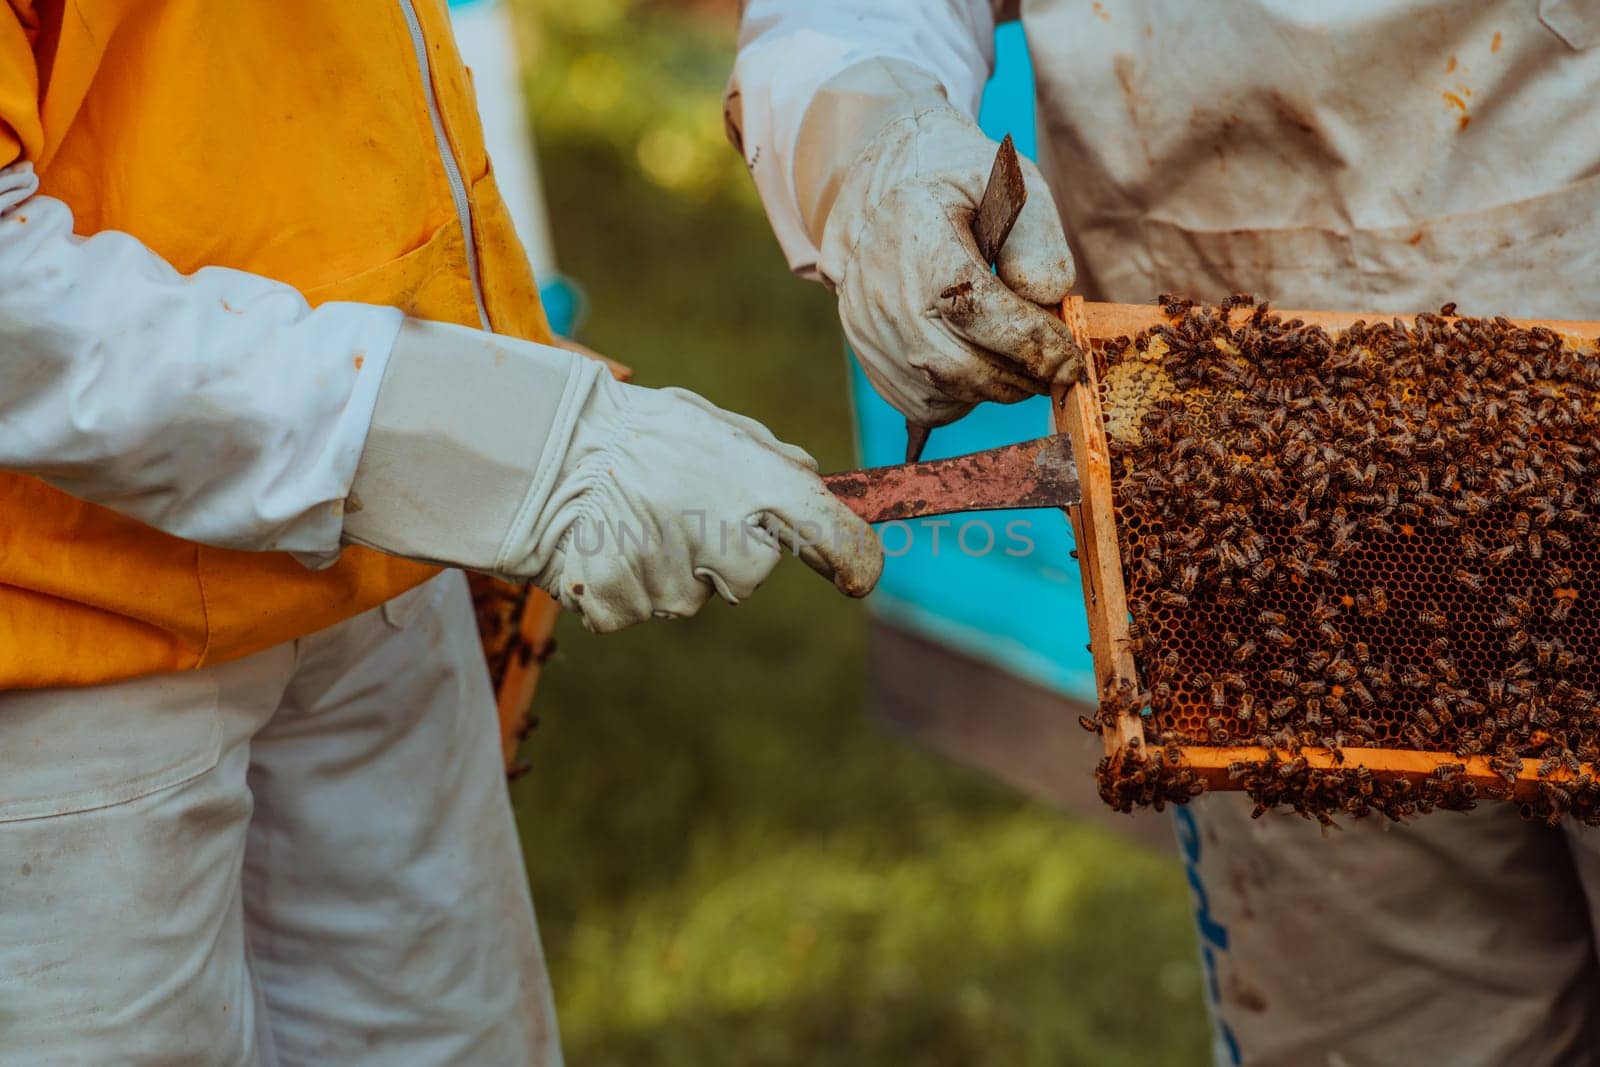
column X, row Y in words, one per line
column 216, row 406
column 789, row 48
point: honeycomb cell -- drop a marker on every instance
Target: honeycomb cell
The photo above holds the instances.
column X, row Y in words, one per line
column 1381, row 537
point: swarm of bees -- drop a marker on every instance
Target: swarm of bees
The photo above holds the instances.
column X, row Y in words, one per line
column 1383, row 537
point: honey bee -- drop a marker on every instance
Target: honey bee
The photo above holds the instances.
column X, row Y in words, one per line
column 1297, row 564
column 1508, row 767
column 1186, row 579
column 1502, row 555
column 1560, row 800
column 1293, row 767
column 1413, row 677
column 1379, row 675
column 1378, row 524
column 1277, row 638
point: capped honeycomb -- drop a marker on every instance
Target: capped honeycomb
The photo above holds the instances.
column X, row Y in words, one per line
column 1383, row 537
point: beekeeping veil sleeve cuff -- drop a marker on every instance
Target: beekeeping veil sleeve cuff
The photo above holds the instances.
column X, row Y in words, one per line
column 216, row 406
column 498, row 455
column 848, row 114
column 465, row 445
column 799, row 59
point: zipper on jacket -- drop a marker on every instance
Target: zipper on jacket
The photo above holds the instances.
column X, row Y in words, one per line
column 452, row 172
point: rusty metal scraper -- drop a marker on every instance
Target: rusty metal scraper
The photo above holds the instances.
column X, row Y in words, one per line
column 1002, row 202
column 1034, row 474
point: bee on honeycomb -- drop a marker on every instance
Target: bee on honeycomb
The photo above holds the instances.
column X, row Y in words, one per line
column 1381, row 537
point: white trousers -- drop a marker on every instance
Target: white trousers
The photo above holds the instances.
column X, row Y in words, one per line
column 1460, row 939
column 305, row 856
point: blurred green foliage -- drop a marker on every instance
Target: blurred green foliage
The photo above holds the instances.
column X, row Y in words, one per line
column 731, row 865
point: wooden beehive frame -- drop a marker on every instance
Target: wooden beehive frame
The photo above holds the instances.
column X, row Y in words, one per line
column 1077, row 412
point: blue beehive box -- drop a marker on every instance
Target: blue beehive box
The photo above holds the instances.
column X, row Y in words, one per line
column 1002, row 586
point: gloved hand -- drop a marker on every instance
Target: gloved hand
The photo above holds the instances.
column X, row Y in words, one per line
column 888, row 180
column 531, row 463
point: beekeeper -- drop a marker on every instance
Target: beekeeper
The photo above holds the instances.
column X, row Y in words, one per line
column 1386, row 156
column 260, row 300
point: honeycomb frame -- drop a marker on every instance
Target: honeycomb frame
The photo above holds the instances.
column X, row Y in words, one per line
column 1078, row 411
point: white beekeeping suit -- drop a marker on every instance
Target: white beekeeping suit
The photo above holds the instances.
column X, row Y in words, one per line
column 1386, row 156
column 263, row 311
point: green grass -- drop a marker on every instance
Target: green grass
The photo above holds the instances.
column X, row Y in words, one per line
column 731, row 866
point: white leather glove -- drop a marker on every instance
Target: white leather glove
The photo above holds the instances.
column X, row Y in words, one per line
column 531, row 463
column 888, row 180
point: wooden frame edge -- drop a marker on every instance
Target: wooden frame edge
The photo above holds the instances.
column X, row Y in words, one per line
column 1211, row 764
column 1075, row 411
column 1106, row 321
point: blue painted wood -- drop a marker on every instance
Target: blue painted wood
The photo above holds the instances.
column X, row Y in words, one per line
column 1022, row 611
